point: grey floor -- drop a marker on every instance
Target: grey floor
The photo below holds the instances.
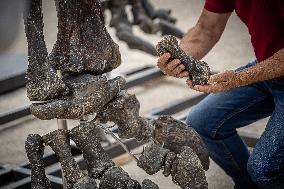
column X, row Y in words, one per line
column 233, row 50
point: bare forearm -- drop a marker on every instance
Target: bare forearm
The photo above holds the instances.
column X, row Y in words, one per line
column 270, row 68
column 198, row 42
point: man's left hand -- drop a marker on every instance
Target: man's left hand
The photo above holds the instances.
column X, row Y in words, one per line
column 217, row 83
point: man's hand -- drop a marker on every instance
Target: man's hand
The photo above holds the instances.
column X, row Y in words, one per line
column 172, row 67
column 218, row 83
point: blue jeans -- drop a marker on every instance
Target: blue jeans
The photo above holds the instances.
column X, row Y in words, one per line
column 216, row 118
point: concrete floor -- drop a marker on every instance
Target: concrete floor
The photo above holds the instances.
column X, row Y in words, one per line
column 233, row 50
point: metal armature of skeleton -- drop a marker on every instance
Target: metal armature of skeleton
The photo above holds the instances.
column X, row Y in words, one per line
column 83, row 52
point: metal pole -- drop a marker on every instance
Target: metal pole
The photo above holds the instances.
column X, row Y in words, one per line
column 62, row 124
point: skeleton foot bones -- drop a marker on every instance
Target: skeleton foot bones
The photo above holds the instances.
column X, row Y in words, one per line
column 82, row 53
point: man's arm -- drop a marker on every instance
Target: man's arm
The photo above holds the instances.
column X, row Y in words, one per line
column 270, row 68
column 197, row 42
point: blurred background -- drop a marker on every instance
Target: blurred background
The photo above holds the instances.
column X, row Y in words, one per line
column 233, row 50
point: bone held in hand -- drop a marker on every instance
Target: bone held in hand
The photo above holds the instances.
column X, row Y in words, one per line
column 199, row 70
column 35, row 149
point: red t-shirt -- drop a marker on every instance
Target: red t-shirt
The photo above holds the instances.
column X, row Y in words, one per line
column 264, row 19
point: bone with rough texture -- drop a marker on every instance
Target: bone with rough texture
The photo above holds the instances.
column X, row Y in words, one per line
column 114, row 178
column 152, row 159
column 42, row 80
column 174, row 134
column 86, row 136
column 59, row 141
column 187, row 170
column 148, row 184
column 133, row 184
column 89, row 94
column 83, row 43
column 199, row 70
column 35, row 149
column 123, row 28
column 124, row 111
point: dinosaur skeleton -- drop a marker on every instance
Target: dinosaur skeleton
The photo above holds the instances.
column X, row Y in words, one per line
column 83, row 52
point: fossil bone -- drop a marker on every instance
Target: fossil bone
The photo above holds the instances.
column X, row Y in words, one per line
column 86, row 136
column 59, row 141
column 90, row 94
column 35, row 149
column 199, row 70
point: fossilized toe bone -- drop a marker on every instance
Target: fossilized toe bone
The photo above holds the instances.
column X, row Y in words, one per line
column 114, row 178
column 86, row 136
column 60, row 143
column 89, row 94
column 83, row 43
column 187, row 170
column 35, row 149
column 133, row 184
column 148, row 184
column 174, row 134
column 124, row 111
column 85, row 183
column 123, row 28
column 152, row 159
column 199, row 70
column 42, row 80
column 142, row 19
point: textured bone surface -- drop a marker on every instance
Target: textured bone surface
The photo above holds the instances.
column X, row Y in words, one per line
column 83, row 43
column 174, row 134
column 124, row 111
column 42, row 80
column 199, row 70
column 187, row 170
column 133, row 184
column 89, row 94
column 114, row 178
column 148, row 184
column 86, row 136
column 152, row 158
column 35, row 149
column 59, row 141
column 85, row 183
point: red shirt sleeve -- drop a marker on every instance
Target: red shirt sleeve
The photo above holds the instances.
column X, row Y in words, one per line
column 219, row 6
column 281, row 7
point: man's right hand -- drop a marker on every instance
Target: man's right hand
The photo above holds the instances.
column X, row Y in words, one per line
column 171, row 67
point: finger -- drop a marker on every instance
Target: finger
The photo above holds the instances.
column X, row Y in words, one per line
column 162, row 61
column 203, row 88
column 183, row 74
column 189, row 83
column 178, row 69
column 173, row 64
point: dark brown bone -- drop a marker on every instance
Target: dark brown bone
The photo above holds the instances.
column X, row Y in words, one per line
column 42, row 80
column 114, row 178
column 89, row 95
column 187, row 170
column 35, row 149
column 123, row 28
column 124, row 111
column 87, row 138
column 148, row 184
column 199, row 70
column 83, row 43
column 152, row 159
column 60, row 143
column 174, row 134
